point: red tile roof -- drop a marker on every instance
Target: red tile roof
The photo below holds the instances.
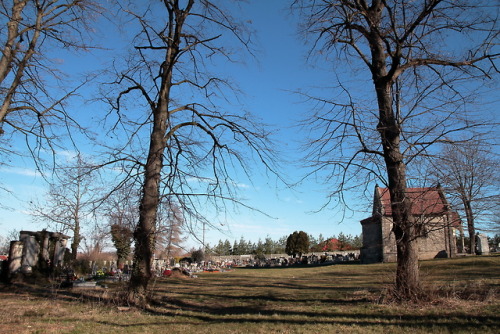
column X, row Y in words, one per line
column 334, row 245
column 425, row 201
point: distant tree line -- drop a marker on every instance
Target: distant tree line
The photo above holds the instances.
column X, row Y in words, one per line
column 269, row 246
column 494, row 243
column 243, row 247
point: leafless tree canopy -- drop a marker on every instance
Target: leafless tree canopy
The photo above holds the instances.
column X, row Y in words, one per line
column 32, row 89
column 204, row 143
column 170, row 233
column 173, row 135
column 435, row 56
column 70, row 202
column 421, row 60
column 121, row 206
column 469, row 173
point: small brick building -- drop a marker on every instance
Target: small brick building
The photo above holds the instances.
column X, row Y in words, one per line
column 429, row 207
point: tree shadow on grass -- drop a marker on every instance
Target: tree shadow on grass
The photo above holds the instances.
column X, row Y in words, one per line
column 172, row 312
column 328, row 298
column 262, row 312
column 273, row 310
column 263, row 299
column 297, row 283
column 212, row 315
column 367, row 321
column 56, row 292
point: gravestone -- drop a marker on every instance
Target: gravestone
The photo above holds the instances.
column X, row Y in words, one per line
column 60, row 248
column 31, row 248
column 482, row 244
column 15, row 256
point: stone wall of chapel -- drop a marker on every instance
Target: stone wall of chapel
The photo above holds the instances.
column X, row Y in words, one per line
column 433, row 244
column 389, row 240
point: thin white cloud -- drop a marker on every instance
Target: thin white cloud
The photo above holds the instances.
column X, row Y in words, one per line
column 293, row 200
column 69, row 154
column 21, row 171
column 211, row 180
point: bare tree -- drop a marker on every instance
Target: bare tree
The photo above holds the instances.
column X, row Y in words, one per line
column 121, row 208
column 170, row 221
column 192, row 143
column 94, row 242
column 469, row 173
column 419, row 76
column 6, row 239
column 4, row 245
column 32, row 90
column 70, row 201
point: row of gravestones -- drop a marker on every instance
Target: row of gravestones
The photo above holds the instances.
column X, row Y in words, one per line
column 49, row 247
column 109, row 266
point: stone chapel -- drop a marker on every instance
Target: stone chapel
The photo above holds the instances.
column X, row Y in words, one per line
column 429, row 207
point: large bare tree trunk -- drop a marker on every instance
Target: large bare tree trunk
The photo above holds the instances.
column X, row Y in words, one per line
column 145, row 231
column 404, row 229
column 407, row 271
column 405, row 232
column 11, row 44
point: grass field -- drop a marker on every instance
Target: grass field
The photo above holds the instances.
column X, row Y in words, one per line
column 330, row 299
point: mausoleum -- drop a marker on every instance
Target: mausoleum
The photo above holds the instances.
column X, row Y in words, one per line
column 40, row 251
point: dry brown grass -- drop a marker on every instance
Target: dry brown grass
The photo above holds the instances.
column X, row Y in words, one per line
column 332, row 299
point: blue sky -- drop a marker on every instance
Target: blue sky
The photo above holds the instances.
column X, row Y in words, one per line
column 269, row 80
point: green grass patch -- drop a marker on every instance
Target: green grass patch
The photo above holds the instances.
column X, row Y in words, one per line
column 329, row 299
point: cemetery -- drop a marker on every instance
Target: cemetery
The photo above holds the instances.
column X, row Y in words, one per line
column 317, row 292
column 293, row 299
column 31, row 254
column 135, row 132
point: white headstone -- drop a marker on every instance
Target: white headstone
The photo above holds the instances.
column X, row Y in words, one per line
column 482, row 244
column 15, row 256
